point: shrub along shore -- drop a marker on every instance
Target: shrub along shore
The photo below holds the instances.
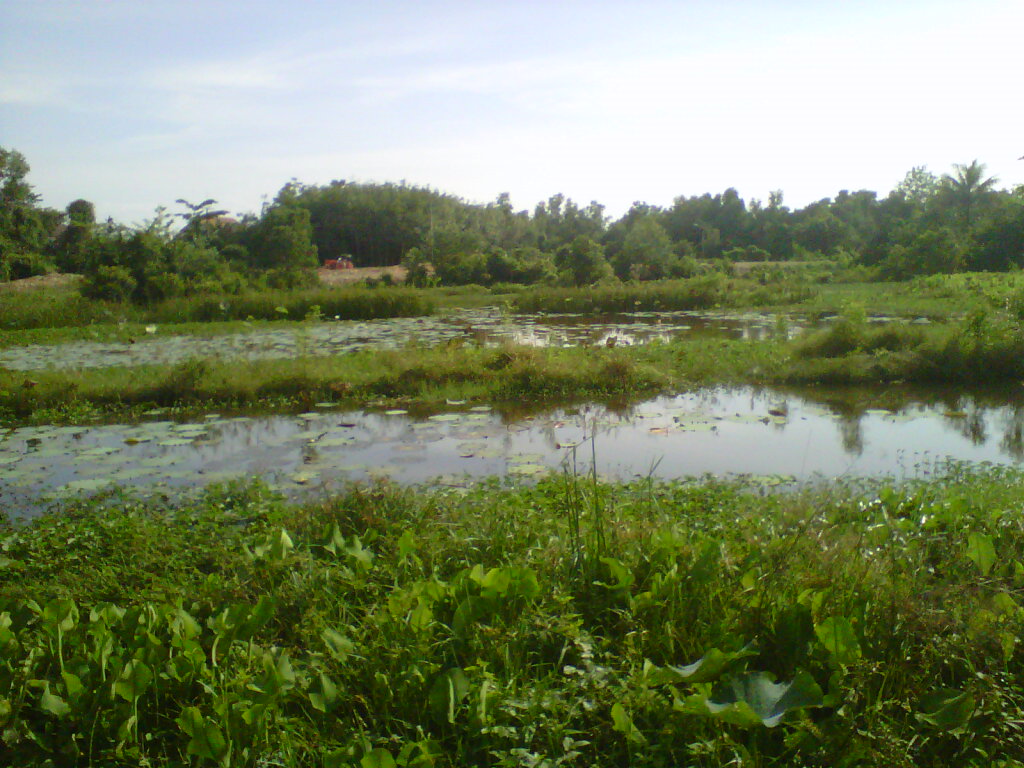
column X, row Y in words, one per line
column 568, row 623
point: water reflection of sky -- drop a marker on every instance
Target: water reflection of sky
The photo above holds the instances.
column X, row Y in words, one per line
column 801, row 435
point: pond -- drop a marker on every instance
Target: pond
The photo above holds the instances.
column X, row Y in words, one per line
column 479, row 326
column 771, row 436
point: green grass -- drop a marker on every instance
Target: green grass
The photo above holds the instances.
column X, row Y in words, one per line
column 67, row 308
column 984, row 347
column 669, row 295
column 423, row 375
column 569, row 623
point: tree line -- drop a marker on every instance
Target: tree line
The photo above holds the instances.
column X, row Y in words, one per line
column 928, row 224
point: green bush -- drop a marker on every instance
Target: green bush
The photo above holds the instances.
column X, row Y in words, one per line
column 109, row 283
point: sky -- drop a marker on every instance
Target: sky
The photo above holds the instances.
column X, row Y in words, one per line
column 133, row 104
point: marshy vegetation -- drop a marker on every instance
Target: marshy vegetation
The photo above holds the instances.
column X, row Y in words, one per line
column 573, row 622
column 563, row 619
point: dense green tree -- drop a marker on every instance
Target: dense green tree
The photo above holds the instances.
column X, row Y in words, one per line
column 583, row 262
column 70, row 244
column 933, row 251
column 25, row 228
column 819, row 230
column 283, row 239
column 999, row 241
column 646, row 252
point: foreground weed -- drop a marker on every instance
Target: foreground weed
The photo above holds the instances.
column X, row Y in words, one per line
column 571, row 622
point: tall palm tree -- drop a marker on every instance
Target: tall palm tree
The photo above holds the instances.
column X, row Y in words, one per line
column 967, row 189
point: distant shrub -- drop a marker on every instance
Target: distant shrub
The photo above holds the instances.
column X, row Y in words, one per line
column 107, row 283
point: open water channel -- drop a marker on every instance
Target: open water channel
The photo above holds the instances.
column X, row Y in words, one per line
column 768, row 436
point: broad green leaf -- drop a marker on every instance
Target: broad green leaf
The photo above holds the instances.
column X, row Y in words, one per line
column 755, row 698
column 1005, row 604
column 947, row 709
column 73, row 684
column 705, row 669
column 60, row 615
column 133, row 681
column 837, row 635
column 377, row 758
column 256, row 618
column 622, row 577
column 362, row 557
column 5, row 710
column 623, row 723
column 339, row 645
column 281, row 546
column 108, row 613
column 52, row 703
column 206, row 739
column 448, row 692
column 406, row 545
column 981, row 552
column 183, row 623
column 495, row 583
column 324, row 698
column 278, row 675
column 335, row 541
column 421, row 616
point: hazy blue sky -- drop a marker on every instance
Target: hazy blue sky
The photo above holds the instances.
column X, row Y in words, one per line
column 134, row 103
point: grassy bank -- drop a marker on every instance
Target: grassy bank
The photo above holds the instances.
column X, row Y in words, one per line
column 985, row 347
column 67, row 308
column 938, row 296
column 424, row 375
column 669, row 295
column 570, row 623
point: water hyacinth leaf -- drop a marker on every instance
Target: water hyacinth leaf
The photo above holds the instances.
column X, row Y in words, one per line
column 278, row 675
column 756, row 699
column 277, row 546
column 981, row 551
column 133, row 681
column 52, row 703
column 623, row 723
column 60, row 615
column 324, row 698
column 73, row 685
column 377, row 758
column 707, row 668
column 946, row 709
column 339, row 646
column 621, row 577
column 205, row 738
column 836, row 633
column 363, row 557
column 407, row 545
column 254, row 619
column 448, row 691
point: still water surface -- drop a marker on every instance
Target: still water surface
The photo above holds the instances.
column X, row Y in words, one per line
column 769, row 435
